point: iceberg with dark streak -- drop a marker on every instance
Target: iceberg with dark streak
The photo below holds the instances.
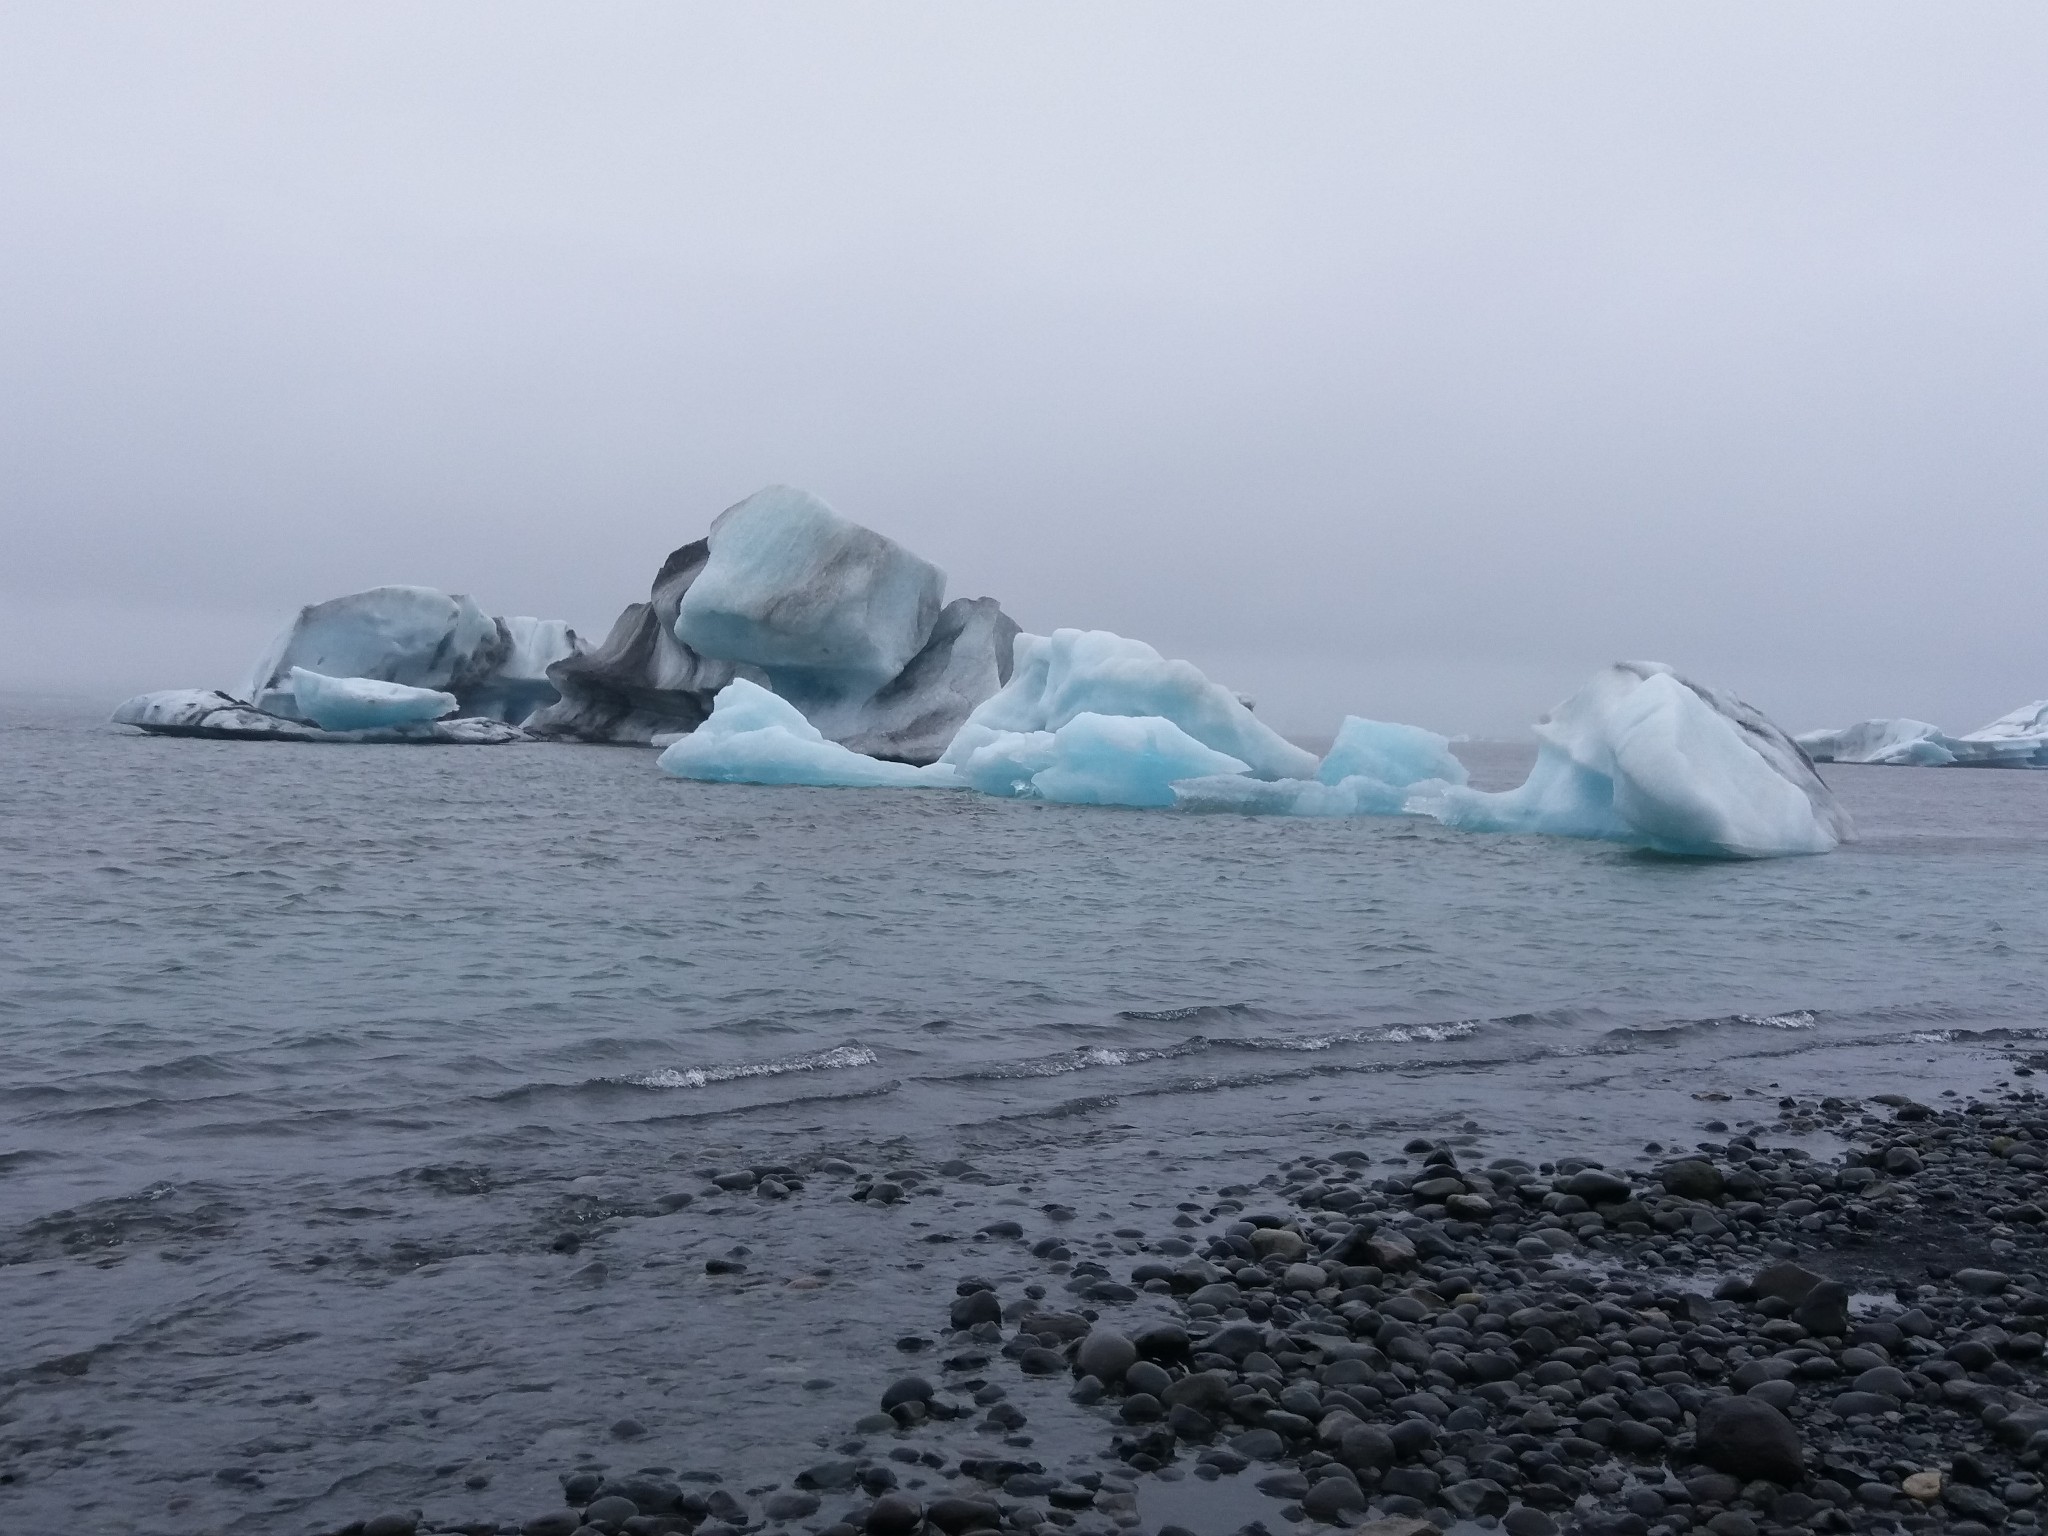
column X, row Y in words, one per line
column 211, row 714
column 1643, row 756
column 844, row 623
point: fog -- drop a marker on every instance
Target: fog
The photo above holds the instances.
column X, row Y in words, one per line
column 1409, row 361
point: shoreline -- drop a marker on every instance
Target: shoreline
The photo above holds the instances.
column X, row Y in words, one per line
column 1531, row 1346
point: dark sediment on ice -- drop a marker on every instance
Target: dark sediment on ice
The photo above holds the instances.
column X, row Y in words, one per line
column 1737, row 1337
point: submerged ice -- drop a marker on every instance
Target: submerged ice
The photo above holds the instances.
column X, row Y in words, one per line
column 1643, row 756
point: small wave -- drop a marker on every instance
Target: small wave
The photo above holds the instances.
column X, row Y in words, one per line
column 837, row 1058
column 1081, row 1059
column 1800, row 1019
column 1933, row 1037
column 1179, row 1015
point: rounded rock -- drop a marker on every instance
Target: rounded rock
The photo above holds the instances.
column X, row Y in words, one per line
column 1749, row 1439
column 1105, row 1354
column 895, row 1514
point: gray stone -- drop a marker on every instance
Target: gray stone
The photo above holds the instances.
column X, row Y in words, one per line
column 788, row 1505
column 908, row 1389
column 1750, row 1439
column 609, row 1510
column 1692, row 1178
column 1332, row 1498
column 1105, row 1354
column 895, row 1514
column 1824, row 1310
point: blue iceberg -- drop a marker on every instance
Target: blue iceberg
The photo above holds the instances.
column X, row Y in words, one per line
column 1055, row 679
column 1645, row 757
column 1092, row 759
column 1373, row 768
column 364, row 703
column 752, row 736
column 828, row 610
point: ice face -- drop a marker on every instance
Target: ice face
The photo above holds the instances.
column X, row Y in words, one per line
column 754, row 737
column 519, row 684
column 1057, row 678
column 364, row 703
column 2017, row 740
column 919, row 711
column 1642, row 756
column 417, row 636
column 1090, row 760
column 828, row 610
column 1390, row 754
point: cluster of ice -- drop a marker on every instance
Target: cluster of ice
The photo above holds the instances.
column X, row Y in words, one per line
column 784, row 592
column 390, row 661
column 2016, row 740
column 752, row 736
column 364, row 703
column 1643, row 756
column 1092, row 718
column 1372, row 769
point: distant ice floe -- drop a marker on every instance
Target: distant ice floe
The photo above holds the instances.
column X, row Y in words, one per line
column 2015, row 740
column 1643, row 756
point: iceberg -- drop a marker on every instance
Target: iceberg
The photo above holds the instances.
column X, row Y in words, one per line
column 1391, row 754
column 364, row 703
column 829, row 610
column 417, row 636
column 1645, row 757
column 786, row 593
column 1092, row 759
column 1373, row 768
column 2015, row 740
column 754, row 737
column 1902, row 742
column 206, row 712
column 1056, row 679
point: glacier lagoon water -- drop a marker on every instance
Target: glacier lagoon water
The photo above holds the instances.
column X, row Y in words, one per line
column 312, row 1055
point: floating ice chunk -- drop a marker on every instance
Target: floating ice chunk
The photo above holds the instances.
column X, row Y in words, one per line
column 754, row 737
column 1394, row 755
column 222, row 717
column 417, row 636
column 829, row 610
column 1642, row 756
column 1900, row 742
column 918, row 712
column 207, row 712
column 364, row 703
column 1355, row 796
column 1090, row 760
column 1057, row 678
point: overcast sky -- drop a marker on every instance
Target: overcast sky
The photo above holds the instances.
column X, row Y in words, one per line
column 1409, row 361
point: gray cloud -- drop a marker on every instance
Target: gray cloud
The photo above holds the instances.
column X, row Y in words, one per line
column 1408, row 361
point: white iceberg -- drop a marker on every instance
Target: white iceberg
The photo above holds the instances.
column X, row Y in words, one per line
column 2015, row 740
column 1092, row 759
column 754, row 737
column 364, row 703
column 1912, row 743
column 829, row 610
column 519, row 685
column 1645, row 757
column 1057, row 678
